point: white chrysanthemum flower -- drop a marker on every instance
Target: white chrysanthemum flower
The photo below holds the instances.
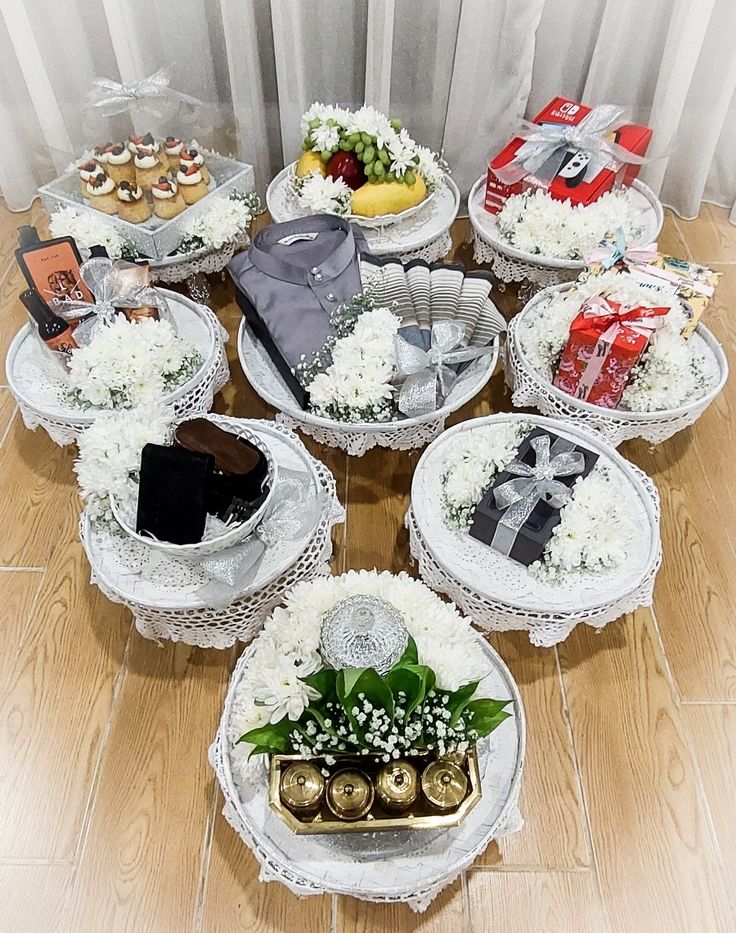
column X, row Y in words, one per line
column 89, row 230
column 324, row 195
column 222, row 222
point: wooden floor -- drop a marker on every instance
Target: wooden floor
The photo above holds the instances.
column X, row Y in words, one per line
column 110, row 815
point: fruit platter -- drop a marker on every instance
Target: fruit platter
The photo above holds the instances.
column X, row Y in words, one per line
column 361, row 165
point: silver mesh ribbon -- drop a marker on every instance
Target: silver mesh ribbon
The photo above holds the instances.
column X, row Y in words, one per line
column 547, row 141
column 112, row 97
column 427, row 375
column 538, row 481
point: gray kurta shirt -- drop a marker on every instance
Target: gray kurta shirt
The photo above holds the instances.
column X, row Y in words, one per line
column 295, row 274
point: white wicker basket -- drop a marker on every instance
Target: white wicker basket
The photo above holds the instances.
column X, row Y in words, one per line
column 380, row 867
column 34, row 379
column 532, row 389
column 513, row 265
column 173, row 599
column 236, row 532
column 357, row 438
column 500, row 594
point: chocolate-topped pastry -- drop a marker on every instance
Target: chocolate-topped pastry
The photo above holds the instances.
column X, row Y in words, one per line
column 238, row 485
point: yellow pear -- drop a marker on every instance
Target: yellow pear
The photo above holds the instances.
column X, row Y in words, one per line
column 310, row 162
column 387, row 197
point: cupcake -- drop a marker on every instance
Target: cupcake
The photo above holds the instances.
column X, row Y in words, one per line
column 101, row 193
column 144, row 141
column 132, row 204
column 167, row 200
column 148, row 167
column 191, row 183
column 101, row 152
column 194, row 157
column 120, row 165
column 88, row 170
column 172, row 150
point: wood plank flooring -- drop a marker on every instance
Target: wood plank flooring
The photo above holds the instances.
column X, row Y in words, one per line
column 111, row 817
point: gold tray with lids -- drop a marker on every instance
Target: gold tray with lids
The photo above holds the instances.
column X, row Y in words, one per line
column 309, row 790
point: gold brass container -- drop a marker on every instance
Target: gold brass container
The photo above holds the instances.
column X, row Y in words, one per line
column 350, row 794
column 444, row 784
column 302, row 788
column 397, row 785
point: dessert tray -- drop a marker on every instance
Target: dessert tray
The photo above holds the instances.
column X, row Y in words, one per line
column 513, row 265
column 421, row 232
column 501, row 594
column 412, row 866
column 39, row 386
column 357, row 438
column 530, row 388
column 176, row 598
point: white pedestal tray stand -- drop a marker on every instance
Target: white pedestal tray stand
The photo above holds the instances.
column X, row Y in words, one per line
column 423, row 234
column 513, row 265
column 173, row 598
column 386, row 867
column 38, row 383
column 191, row 268
column 532, row 389
column 500, row 594
column 356, row 438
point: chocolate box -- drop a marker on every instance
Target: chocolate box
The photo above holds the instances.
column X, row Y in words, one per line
column 537, row 530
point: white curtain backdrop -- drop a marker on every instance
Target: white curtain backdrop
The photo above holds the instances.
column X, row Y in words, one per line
column 460, row 73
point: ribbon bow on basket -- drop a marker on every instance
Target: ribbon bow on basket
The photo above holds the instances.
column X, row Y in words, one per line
column 546, row 141
column 429, row 377
column 611, row 252
column 534, row 482
column 113, row 97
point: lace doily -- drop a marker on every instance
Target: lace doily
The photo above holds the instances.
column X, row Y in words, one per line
column 513, row 265
column 183, row 267
column 384, row 872
column 175, row 599
column 356, row 439
column 422, row 235
column 500, row 594
column 39, row 386
column 531, row 389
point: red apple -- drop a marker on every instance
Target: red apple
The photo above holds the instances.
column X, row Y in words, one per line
column 347, row 165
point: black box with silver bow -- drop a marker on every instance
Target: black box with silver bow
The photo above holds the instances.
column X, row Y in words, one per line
column 519, row 510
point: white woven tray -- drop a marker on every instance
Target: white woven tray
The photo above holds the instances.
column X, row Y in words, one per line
column 423, row 234
column 532, row 389
column 37, row 383
column 383, row 867
column 500, row 594
column 513, row 265
column 174, row 599
column 360, row 437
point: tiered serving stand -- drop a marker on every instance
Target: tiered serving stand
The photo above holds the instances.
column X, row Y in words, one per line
column 174, row 598
column 385, row 867
column 500, row 594
column 531, row 388
column 38, row 383
column 513, row 265
column 421, row 233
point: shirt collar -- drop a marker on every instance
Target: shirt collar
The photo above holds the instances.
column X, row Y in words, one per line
column 328, row 268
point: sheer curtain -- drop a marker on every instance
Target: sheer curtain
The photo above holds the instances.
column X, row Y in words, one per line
column 460, row 73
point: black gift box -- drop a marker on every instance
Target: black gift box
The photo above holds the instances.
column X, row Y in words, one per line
column 534, row 534
column 171, row 493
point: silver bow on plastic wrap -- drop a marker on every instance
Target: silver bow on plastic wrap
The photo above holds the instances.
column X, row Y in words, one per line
column 115, row 285
column 113, row 97
column 543, row 142
column 295, row 510
column 519, row 496
column 428, row 376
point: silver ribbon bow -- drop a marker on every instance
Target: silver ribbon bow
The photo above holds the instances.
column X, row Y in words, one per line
column 112, row 97
column 428, row 376
column 534, row 482
column 545, row 141
column 294, row 512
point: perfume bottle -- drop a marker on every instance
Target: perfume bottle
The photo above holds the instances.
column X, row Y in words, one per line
column 51, row 268
column 55, row 332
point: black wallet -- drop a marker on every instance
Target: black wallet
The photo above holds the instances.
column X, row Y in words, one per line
column 171, row 494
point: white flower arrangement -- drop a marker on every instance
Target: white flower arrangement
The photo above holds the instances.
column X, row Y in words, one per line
column 88, row 229
column 110, row 454
column 224, row 221
column 671, row 371
column 536, row 223
column 323, row 195
column 129, row 364
column 595, row 530
column 288, row 649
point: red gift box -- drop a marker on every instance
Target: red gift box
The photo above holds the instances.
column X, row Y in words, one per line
column 606, row 341
column 570, row 172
